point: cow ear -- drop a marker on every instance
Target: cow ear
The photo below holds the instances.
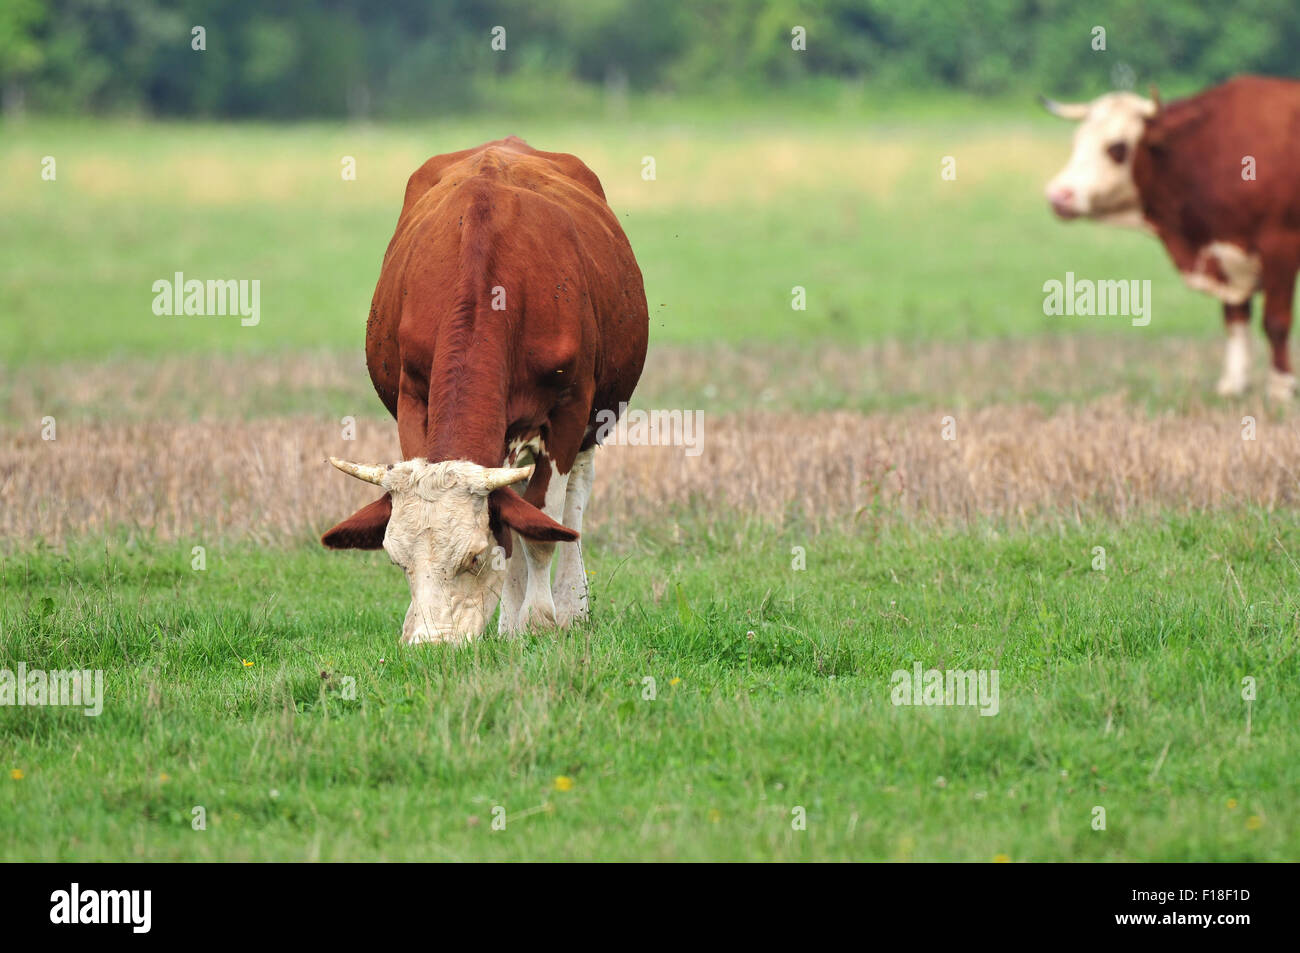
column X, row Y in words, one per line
column 364, row 529
column 527, row 520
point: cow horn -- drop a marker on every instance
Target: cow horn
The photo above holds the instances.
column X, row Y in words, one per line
column 1074, row 111
column 494, row 478
column 362, row 471
column 1155, row 100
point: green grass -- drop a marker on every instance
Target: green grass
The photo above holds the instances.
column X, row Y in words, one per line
column 853, row 210
column 1119, row 689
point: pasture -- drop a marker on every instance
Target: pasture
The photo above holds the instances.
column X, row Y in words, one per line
column 268, row 687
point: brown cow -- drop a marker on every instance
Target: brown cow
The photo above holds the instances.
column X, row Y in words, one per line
column 509, row 313
column 1217, row 178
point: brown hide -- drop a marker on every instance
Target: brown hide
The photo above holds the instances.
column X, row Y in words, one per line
column 1188, row 167
column 503, row 223
column 1188, row 170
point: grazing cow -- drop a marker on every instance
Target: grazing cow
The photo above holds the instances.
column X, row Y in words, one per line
column 509, row 313
column 1217, row 178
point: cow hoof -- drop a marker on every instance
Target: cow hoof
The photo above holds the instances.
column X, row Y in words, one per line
column 1281, row 387
column 1230, row 387
column 540, row 620
column 526, row 621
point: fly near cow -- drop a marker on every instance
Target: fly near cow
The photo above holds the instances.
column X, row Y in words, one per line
column 1214, row 177
column 509, row 314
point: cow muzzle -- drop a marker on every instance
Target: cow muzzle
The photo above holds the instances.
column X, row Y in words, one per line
column 450, row 612
column 1062, row 200
column 425, row 628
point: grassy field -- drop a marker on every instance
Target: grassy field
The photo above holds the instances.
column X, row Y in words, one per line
column 1118, row 689
column 230, row 688
column 737, row 216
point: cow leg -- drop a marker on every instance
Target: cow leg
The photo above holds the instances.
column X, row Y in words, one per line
column 570, row 573
column 516, row 581
column 1236, row 358
column 1279, row 288
column 538, row 609
column 514, row 588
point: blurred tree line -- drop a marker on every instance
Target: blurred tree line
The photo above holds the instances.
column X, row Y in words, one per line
column 288, row 58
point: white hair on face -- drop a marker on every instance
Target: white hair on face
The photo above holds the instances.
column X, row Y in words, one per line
column 1094, row 183
column 439, row 534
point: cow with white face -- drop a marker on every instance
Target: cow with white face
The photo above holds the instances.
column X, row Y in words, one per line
column 1097, row 182
column 1213, row 176
column 439, row 534
column 508, row 322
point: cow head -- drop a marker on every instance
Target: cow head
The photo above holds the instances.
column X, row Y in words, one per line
column 1097, row 182
column 435, row 523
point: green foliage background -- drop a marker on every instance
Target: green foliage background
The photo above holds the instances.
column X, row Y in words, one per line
column 288, row 58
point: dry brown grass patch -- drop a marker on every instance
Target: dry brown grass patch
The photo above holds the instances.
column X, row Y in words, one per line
column 1165, row 372
column 267, row 480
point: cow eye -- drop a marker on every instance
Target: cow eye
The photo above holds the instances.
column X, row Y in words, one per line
column 478, row 561
column 1118, row 151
